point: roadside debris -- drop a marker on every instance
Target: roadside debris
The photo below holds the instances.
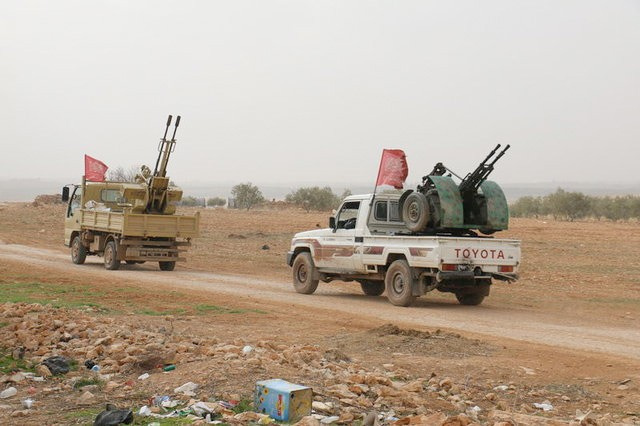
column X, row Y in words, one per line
column 112, row 416
column 544, row 406
column 57, row 364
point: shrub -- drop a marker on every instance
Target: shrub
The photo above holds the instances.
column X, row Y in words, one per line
column 314, row 198
column 246, row 195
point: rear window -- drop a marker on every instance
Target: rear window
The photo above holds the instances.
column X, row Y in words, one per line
column 387, row 211
column 110, row 195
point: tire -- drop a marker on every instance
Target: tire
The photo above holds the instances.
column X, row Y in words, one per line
column 78, row 251
column 415, row 212
column 111, row 261
column 167, row 266
column 470, row 299
column 372, row 288
column 399, row 283
column 303, row 272
column 474, row 296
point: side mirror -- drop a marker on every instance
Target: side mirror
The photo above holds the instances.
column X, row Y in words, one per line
column 332, row 222
column 65, row 194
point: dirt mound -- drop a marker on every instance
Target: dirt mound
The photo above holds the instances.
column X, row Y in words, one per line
column 437, row 344
column 45, row 199
column 391, row 329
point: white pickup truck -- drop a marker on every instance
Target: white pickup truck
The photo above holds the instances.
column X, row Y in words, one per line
column 368, row 243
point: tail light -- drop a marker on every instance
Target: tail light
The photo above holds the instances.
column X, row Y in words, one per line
column 505, row 268
column 449, row 267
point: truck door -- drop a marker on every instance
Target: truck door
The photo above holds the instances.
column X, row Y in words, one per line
column 337, row 250
column 71, row 220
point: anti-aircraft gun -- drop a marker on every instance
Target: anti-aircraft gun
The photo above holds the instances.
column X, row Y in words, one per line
column 162, row 197
column 439, row 205
column 135, row 222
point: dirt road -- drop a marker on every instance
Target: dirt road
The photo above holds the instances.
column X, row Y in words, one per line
column 500, row 321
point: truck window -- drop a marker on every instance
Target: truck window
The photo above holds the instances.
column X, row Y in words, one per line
column 381, row 211
column 110, row 196
column 348, row 215
column 394, row 212
column 387, row 211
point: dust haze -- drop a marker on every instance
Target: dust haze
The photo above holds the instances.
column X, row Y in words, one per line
column 284, row 92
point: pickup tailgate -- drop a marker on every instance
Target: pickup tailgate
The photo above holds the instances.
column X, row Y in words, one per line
column 491, row 255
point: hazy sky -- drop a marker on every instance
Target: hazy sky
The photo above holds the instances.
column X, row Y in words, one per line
column 312, row 91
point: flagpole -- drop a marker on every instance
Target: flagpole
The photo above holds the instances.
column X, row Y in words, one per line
column 375, row 186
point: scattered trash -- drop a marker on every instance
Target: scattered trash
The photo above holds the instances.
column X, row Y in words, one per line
column 247, row 350
column 158, row 400
column 544, row 406
column 274, row 398
column 501, row 388
column 57, row 364
column 169, row 404
column 187, row 389
column 144, row 376
column 228, row 404
column 144, row 411
column 113, row 416
column 89, row 364
column 201, row 409
column 8, row 392
column 169, row 367
column 95, row 368
column 27, row 403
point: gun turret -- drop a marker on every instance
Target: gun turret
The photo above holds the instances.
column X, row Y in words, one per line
column 473, row 180
column 159, row 182
column 441, row 205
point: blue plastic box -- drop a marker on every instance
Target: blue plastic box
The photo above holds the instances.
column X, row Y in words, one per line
column 282, row 400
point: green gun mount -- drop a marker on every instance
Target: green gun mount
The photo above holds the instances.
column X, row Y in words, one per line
column 439, row 205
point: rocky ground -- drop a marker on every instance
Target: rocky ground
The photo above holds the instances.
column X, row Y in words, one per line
column 132, row 356
column 366, row 361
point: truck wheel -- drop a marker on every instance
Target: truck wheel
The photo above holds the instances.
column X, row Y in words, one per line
column 167, row 266
column 470, row 299
column 78, row 251
column 399, row 283
column 473, row 296
column 111, row 261
column 372, row 288
column 415, row 212
column 303, row 272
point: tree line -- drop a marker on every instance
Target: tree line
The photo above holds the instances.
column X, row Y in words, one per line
column 566, row 205
column 248, row 195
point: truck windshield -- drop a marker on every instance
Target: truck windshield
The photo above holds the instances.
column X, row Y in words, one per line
column 348, row 215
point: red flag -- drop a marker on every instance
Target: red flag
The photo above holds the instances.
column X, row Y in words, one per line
column 94, row 170
column 393, row 168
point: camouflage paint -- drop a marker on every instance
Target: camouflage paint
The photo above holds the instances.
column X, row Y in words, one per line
column 497, row 207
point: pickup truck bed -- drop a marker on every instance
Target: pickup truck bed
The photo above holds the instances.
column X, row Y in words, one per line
column 140, row 225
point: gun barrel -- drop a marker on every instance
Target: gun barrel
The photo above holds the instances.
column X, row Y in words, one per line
column 162, row 141
column 500, row 155
column 473, row 180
